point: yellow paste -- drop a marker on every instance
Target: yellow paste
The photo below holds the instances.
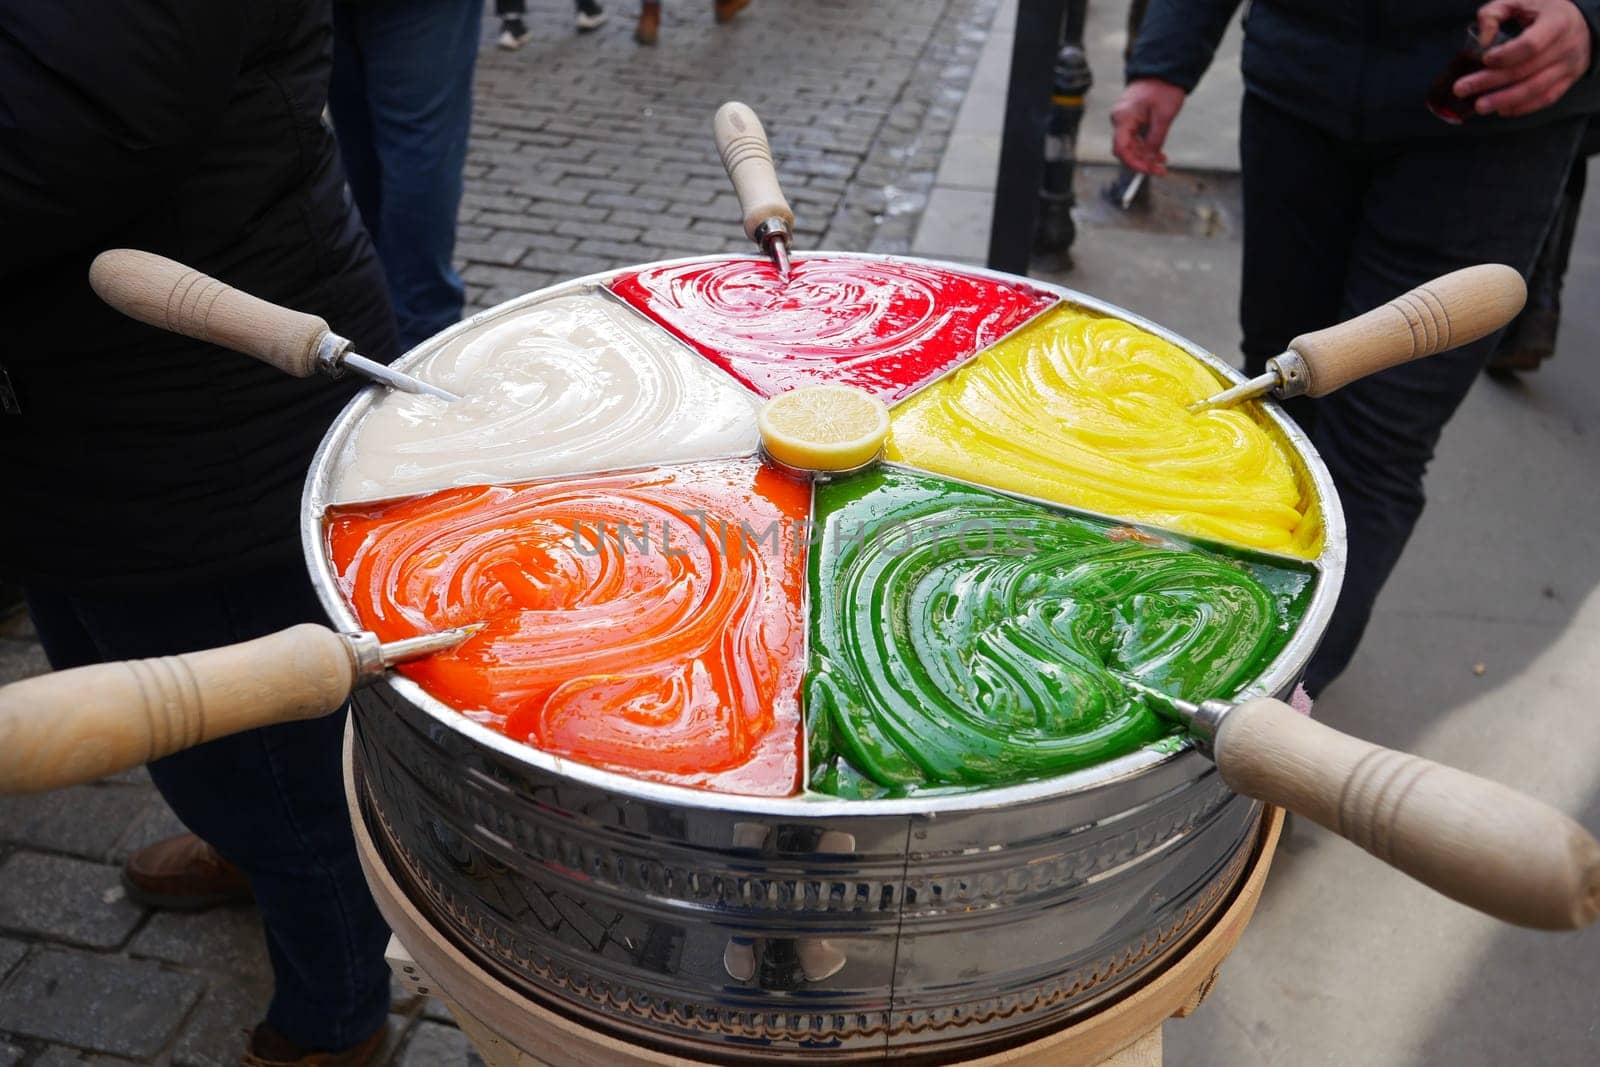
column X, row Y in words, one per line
column 1089, row 411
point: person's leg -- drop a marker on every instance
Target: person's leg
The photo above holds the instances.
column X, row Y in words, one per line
column 1433, row 206
column 649, row 27
column 1531, row 337
column 591, row 16
column 270, row 801
column 724, row 10
column 65, row 642
column 183, row 873
column 352, row 125
column 514, row 31
column 1302, row 195
column 418, row 58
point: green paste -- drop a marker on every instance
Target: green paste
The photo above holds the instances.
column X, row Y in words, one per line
column 964, row 639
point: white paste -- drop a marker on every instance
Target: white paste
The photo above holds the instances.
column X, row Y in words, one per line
column 572, row 385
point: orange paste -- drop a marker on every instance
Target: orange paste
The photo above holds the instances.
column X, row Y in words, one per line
column 647, row 622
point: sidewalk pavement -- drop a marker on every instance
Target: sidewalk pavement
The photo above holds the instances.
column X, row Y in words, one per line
column 1172, row 263
column 593, row 152
column 588, row 153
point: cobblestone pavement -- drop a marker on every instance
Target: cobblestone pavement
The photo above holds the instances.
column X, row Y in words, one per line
column 587, row 153
column 590, row 153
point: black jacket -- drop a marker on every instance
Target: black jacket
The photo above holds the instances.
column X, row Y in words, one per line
column 1359, row 69
column 191, row 128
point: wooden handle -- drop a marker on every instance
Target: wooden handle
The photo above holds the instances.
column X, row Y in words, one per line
column 742, row 143
column 1446, row 313
column 1479, row 842
column 79, row 725
column 171, row 296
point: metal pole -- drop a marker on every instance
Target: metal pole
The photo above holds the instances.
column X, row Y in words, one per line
column 1077, row 19
column 1016, row 200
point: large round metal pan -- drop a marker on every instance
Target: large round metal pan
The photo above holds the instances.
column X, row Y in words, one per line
column 735, row 926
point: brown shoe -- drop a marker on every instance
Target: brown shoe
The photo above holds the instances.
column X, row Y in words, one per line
column 268, row 1048
column 183, row 873
column 726, row 9
column 649, row 27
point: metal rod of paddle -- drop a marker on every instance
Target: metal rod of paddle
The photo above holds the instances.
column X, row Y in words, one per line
column 1448, row 312
column 170, row 296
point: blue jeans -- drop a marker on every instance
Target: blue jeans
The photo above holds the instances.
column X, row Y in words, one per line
column 401, row 100
column 270, row 801
column 1333, row 228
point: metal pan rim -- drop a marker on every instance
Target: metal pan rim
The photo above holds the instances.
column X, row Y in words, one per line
column 1278, row 679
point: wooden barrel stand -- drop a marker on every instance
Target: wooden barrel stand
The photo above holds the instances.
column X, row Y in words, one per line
column 509, row 1030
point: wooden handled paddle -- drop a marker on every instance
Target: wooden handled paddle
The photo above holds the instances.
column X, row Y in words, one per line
column 171, row 296
column 747, row 156
column 78, row 725
column 1452, row 310
column 1448, row 312
column 1476, row 841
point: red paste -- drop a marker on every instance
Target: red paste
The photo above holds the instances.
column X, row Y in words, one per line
column 648, row 622
column 884, row 325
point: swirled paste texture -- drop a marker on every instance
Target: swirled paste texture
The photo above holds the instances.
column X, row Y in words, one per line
column 883, row 325
column 960, row 638
column 1091, row 411
column 574, row 384
column 647, row 622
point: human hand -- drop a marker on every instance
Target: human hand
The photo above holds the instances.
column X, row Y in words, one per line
column 1140, row 121
column 1533, row 69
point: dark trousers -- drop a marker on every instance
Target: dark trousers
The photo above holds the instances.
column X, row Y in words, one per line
column 270, row 800
column 1334, row 228
column 1550, row 269
column 401, row 100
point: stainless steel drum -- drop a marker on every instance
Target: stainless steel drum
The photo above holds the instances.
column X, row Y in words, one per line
column 739, row 929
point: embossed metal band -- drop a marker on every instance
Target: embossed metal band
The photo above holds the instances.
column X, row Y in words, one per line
column 410, row 787
column 607, row 998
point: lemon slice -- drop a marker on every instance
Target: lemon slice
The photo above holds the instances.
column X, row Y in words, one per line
column 824, row 427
